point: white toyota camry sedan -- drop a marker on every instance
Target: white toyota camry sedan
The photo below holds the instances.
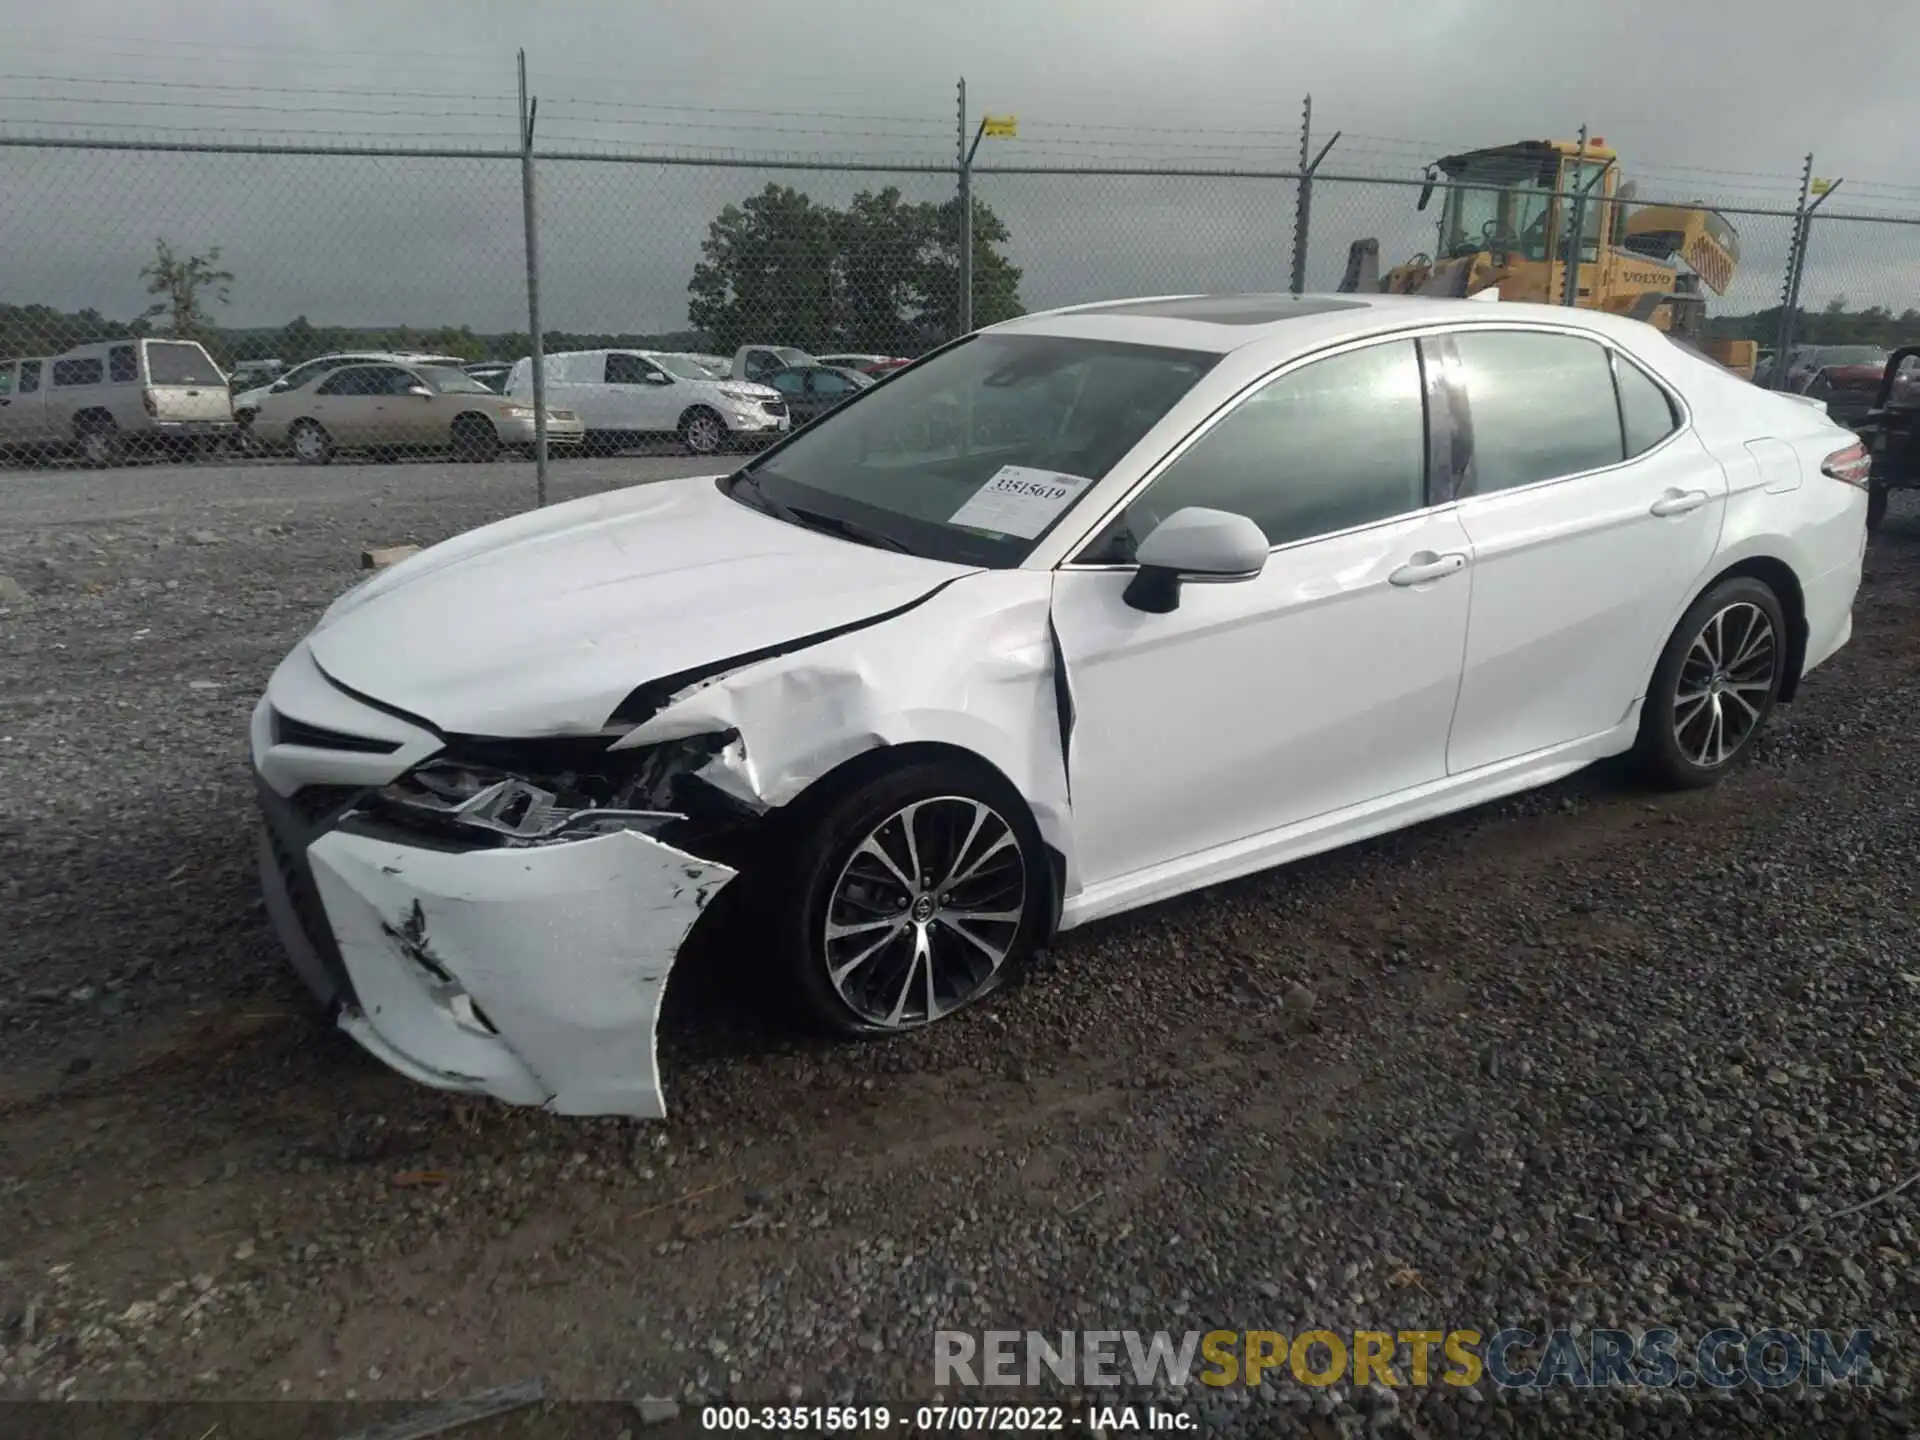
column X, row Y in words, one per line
column 1079, row 612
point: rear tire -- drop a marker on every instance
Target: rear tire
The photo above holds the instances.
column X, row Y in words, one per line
column 1877, row 498
column 826, row 871
column 1714, row 687
column 311, row 443
column 475, row 440
column 101, row 444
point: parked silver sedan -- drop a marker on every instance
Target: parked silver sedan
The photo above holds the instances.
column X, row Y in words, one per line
column 394, row 408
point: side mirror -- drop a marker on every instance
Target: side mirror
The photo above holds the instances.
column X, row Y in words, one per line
column 421, row 390
column 655, row 377
column 1198, row 545
column 279, row 387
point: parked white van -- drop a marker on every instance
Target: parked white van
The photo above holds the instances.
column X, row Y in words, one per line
column 109, row 399
column 622, row 396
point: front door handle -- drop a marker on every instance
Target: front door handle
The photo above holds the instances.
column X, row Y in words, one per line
column 1428, row 566
column 1678, row 502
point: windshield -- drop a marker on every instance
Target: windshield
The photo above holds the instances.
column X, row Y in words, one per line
column 1498, row 202
column 451, row 382
column 977, row 452
column 683, row 367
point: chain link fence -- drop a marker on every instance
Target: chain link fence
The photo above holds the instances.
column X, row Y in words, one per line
column 121, row 257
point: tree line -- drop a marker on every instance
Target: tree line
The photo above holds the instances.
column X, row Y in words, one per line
column 880, row 275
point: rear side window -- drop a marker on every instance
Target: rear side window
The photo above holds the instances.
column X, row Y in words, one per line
column 1542, row 407
column 1646, row 414
column 173, row 362
column 88, row 371
column 29, row 377
column 123, row 364
column 347, row 382
column 6, row 381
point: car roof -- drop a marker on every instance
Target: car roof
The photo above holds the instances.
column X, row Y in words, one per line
column 1220, row 324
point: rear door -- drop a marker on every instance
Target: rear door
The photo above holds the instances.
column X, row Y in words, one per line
column 345, row 404
column 10, row 426
column 1594, row 514
column 185, row 383
column 26, row 417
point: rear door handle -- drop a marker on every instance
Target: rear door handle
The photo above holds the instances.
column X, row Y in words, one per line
column 1678, row 502
column 1428, row 566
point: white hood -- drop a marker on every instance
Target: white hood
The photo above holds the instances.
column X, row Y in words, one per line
column 543, row 623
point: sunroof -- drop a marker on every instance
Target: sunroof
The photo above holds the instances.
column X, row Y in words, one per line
column 1229, row 309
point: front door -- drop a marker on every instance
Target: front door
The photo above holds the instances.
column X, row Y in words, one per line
column 1593, row 517
column 1327, row 681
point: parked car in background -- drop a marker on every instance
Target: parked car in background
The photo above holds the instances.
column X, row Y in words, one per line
column 491, row 373
column 116, row 399
column 393, row 409
column 812, row 390
column 1806, row 361
column 872, row 366
column 305, row 373
column 754, row 363
column 624, row 397
column 1235, row 580
column 247, row 374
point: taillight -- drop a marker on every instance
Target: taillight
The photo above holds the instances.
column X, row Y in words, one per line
column 1850, row 466
column 148, row 403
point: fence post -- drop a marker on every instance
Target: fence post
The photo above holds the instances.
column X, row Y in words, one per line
column 964, row 156
column 539, row 359
column 1303, row 205
column 1570, row 280
column 1806, row 238
column 1790, row 283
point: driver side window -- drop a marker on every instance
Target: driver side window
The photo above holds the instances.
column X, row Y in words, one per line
column 1336, row 444
column 626, row 370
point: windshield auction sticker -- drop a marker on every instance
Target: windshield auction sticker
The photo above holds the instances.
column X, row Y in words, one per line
column 1019, row 500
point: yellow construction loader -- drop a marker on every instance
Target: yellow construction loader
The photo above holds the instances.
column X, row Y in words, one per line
column 1507, row 225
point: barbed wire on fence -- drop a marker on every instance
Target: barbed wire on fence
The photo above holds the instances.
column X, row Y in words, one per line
column 659, row 233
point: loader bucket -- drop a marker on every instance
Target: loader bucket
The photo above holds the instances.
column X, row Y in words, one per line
column 1363, row 267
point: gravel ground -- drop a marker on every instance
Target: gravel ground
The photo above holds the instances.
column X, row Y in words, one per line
column 1591, row 1056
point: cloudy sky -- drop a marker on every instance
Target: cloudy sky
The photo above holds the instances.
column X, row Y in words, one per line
column 1703, row 98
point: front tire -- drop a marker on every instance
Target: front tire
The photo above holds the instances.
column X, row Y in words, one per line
column 906, row 898
column 475, row 440
column 1715, row 685
column 703, row 432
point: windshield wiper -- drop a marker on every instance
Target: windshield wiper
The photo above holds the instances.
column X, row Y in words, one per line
column 813, row 519
column 846, row 529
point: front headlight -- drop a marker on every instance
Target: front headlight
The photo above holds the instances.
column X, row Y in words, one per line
column 519, row 412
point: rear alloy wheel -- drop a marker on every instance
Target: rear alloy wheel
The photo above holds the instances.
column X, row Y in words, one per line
column 1715, row 685
column 475, row 439
column 311, row 443
column 913, row 896
column 703, row 433
column 101, row 445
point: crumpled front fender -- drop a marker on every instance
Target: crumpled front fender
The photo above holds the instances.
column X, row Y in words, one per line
column 974, row 667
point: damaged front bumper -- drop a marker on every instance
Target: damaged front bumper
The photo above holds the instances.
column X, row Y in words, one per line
column 532, row 975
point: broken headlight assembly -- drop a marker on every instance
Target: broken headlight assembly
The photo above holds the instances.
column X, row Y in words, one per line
column 544, row 792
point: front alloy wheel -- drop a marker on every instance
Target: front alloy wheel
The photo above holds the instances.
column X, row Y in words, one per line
column 704, row 433
column 901, row 898
column 925, row 912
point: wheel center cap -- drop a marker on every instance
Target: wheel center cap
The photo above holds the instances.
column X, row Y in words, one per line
column 923, row 908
